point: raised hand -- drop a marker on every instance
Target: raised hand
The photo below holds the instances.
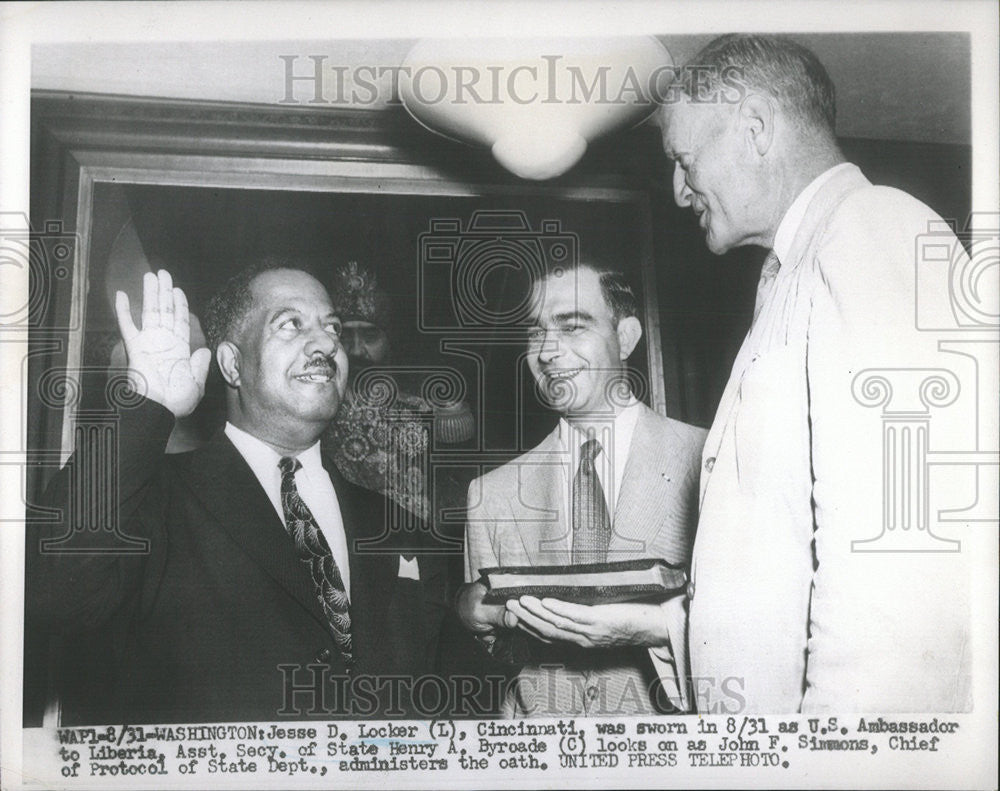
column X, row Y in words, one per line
column 160, row 363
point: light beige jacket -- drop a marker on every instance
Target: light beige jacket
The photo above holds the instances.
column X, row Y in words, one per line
column 517, row 517
column 795, row 607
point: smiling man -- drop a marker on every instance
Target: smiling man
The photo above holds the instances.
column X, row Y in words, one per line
column 613, row 481
column 792, row 602
column 253, row 601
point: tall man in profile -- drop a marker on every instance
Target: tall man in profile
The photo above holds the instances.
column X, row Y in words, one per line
column 613, row 481
column 782, row 601
column 253, row 601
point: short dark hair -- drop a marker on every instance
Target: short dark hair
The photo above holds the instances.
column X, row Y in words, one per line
column 617, row 293
column 615, row 288
column 776, row 65
column 230, row 305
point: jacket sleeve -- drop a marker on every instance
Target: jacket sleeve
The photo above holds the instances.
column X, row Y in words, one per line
column 69, row 590
column 507, row 645
column 671, row 661
column 889, row 621
column 480, row 552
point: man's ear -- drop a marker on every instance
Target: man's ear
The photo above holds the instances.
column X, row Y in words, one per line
column 629, row 332
column 228, row 358
column 757, row 117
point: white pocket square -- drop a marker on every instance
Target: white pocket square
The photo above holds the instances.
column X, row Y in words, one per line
column 408, row 569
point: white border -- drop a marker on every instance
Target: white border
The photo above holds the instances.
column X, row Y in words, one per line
column 22, row 24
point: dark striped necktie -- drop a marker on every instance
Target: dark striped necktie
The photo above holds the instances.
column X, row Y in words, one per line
column 315, row 553
column 591, row 523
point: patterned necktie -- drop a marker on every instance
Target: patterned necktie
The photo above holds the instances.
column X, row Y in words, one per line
column 591, row 523
column 315, row 553
column 767, row 274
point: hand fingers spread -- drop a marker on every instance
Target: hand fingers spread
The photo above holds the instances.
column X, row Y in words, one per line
column 123, row 312
column 182, row 320
column 150, row 302
column 200, row 361
column 166, row 298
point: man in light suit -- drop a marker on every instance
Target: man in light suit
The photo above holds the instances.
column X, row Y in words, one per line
column 601, row 660
column 257, row 597
column 791, row 610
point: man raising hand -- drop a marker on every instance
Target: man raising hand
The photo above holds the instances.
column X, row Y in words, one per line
column 252, row 577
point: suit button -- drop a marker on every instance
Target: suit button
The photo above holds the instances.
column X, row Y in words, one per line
column 323, row 656
column 709, row 463
column 690, row 591
column 591, row 692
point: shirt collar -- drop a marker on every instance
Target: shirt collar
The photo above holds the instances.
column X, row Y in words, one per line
column 261, row 456
column 790, row 223
column 571, row 438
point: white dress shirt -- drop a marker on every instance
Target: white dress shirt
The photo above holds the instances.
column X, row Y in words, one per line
column 790, row 223
column 313, row 484
column 617, row 434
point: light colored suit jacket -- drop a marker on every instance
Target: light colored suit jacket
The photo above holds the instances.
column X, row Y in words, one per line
column 794, row 608
column 517, row 516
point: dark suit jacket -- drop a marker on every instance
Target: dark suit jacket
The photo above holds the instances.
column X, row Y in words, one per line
column 219, row 619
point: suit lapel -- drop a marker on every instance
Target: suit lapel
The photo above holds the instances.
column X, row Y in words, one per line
column 228, row 489
column 540, row 509
column 830, row 194
column 651, row 487
column 823, row 202
column 375, row 566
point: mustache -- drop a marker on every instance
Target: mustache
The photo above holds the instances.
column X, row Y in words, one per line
column 322, row 363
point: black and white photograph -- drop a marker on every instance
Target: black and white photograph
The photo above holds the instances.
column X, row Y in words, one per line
column 535, row 394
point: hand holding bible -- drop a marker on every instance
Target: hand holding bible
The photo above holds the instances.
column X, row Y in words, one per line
column 478, row 617
column 592, row 626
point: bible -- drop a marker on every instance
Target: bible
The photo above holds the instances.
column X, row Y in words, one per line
column 586, row 583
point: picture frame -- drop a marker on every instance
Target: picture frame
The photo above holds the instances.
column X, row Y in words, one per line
column 84, row 146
